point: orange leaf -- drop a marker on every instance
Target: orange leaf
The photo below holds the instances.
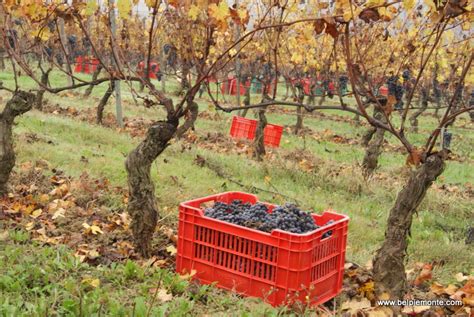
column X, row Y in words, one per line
column 414, row 158
column 425, row 274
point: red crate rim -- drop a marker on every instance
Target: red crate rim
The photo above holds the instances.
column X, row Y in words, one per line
column 342, row 218
column 270, row 125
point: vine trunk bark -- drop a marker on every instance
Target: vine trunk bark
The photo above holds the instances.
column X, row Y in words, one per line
column 40, row 94
column 259, row 144
column 142, row 202
column 103, row 102
column 246, row 103
column 374, row 139
column 191, row 117
column 423, row 104
column 95, row 75
column 20, row 103
column 388, row 264
column 299, row 110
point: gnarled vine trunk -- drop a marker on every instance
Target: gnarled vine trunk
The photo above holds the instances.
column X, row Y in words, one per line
column 142, row 203
column 388, row 266
column 259, row 145
column 373, row 151
column 374, row 139
column 191, row 117
column 40, row 94
column 20, row 103
column 299, row 111
column 246, row 103
column 103, row 102
column 423, row 104
column 95, row 75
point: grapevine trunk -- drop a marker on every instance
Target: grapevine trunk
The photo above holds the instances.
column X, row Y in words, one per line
column 20, row 103
column 389, row 269
column 142, row 203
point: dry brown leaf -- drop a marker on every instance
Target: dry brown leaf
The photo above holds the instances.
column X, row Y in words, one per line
column 451, row 289
column 171, row 249
column 460, row 277
column 4, row 235
column 437, row 288
column 415, row 309
column 380, row 312
column 164, row 296
column 187, row 276
column 425, row 274
column 353, row 306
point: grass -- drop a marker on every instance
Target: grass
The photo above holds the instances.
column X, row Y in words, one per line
column 38, row 280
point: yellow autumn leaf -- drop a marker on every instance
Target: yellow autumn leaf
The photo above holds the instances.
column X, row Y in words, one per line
column 124, row 7
column 171, row 249
column 347, row 16
column 242, row 14
column 35, row 214
column 91, row 7
column 43, row 34
column 194, row 12
column 94, row 229
column 221, row 12
column 431, row 5
column 94, row 282
column 408, row 4
column 374, row 3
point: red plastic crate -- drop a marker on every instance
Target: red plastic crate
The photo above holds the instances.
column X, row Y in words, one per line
column 154, row 68
column 79, row 62
column 246, row 128
column 243, row 128
column 272, row 135
column 280, row 267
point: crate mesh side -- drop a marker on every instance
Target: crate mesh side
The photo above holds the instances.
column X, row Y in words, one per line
column 329, row 250
column 235, row 253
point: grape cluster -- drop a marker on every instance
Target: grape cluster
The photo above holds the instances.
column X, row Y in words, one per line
column 287, row 217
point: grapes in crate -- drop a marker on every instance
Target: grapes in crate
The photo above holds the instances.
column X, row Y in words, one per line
column 287, row 217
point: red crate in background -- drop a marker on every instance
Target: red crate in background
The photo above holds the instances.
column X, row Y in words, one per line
column 243, row 128
column 246, row 128
column 279, row 267
column 85, row 64
column 86, row 67
column 94, row 64
column 229, row 86
column 79, row 61
column 153, row 69
column 383, row 91
column 272, row 135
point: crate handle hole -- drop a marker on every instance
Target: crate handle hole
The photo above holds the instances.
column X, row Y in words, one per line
column 326, row 235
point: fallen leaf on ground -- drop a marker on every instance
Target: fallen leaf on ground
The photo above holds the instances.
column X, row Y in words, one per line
column 187, row 276
column 4, row 235
column 354, row 305
column 425, row 274
column 415, row 309
column 35, row 214
column 92, row 229
column 94, row 282
column 164, row 296
column 461, row 277
column 171, row 249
